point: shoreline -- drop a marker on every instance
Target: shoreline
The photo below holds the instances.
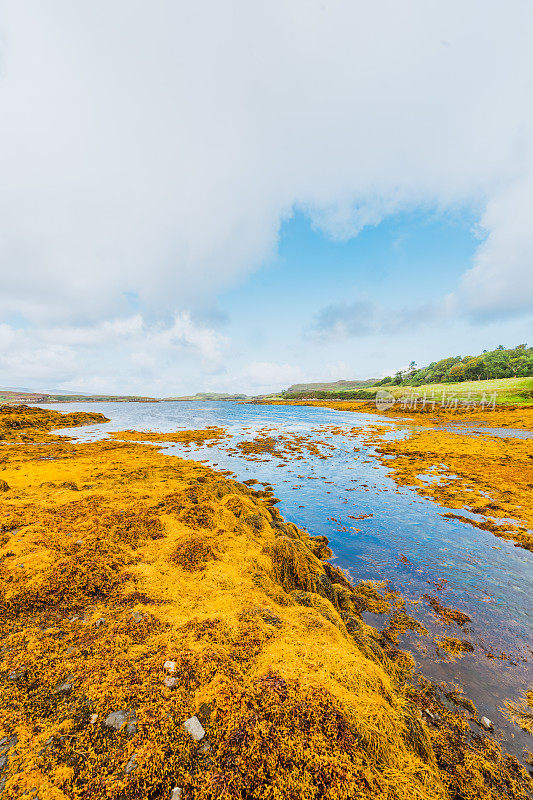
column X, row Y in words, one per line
column 133, row 559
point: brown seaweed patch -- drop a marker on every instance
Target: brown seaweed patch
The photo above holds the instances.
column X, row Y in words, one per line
column 399, row 623
column 448, row 615
column 522, row 713
column 455, row 647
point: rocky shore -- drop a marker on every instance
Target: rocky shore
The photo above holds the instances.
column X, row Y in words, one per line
column 166, row 634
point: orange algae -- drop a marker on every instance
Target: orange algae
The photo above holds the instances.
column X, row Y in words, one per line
column 500, row 417
column 199, row 437
column 522, row 713
column 30, row 423
column 488, row 476
column 101, row 584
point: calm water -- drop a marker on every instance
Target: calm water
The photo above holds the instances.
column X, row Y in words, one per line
column 405, row 541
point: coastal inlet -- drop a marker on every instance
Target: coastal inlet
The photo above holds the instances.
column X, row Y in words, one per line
column 326, row 469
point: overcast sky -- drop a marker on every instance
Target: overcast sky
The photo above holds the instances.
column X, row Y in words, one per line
column 236, row 196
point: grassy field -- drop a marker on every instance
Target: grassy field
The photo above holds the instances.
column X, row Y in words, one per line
column 508, row 390
column 517, row 391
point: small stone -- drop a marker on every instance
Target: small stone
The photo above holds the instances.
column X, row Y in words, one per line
column 65, row 687
column 205, row 747
column 194, row 727
column 169, row 666
column 92, row 719
column 137, row 617
column 170, row 682
column 117, row 719
column 100, row 622
column 131, row 765
column 485, row 723
column 176, row 793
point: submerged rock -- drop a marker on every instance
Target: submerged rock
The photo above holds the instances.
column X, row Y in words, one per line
column 486, row 723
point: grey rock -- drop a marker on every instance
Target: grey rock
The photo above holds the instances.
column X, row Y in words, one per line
column 100, row 622
column 137, row 616
column 131, row 765
column 485, row 723
column 171, row 682
column 193, row 726
column 117, row 720
column 65, row 687
column 3, row 762
column 177, row 793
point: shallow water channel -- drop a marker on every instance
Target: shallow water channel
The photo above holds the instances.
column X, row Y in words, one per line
column 403, row 540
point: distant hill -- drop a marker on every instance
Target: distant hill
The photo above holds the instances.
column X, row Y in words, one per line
column 14, row 396
column 206, row 396
column 332, row 386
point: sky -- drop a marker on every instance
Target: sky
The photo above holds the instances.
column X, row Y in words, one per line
column 239, row 195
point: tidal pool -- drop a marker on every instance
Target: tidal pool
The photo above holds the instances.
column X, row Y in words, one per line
column 377, row 531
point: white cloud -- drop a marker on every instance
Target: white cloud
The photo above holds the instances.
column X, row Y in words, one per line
column 148, row 152
column 264, row 375
column 121, row 356
column 154, row 149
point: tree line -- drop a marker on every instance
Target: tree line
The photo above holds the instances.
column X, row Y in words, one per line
column 503, row 362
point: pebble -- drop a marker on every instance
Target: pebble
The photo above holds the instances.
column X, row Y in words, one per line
column 93, row 718
column 194, row 727
column 176, row 793
column 485, row 723
column 169, row 666
column 137, row 616
column 170, row 682
column 65, row 687
column 100, row 622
